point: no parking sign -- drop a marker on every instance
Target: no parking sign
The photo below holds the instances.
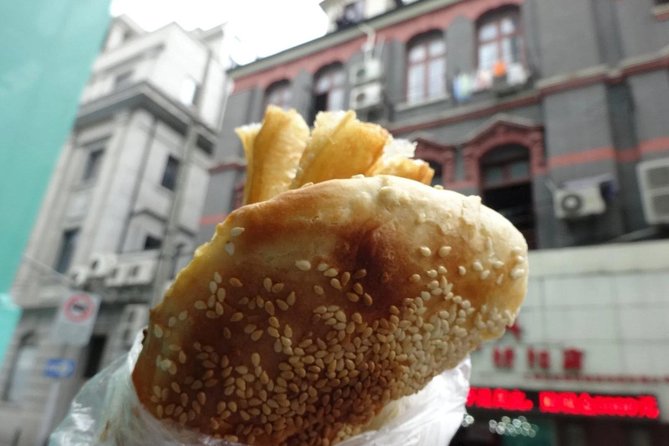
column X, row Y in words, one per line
column 75, row 319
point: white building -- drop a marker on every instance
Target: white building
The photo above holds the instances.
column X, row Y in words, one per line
column 134, row 168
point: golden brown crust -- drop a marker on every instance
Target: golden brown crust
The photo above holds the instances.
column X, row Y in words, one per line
column 307, row 313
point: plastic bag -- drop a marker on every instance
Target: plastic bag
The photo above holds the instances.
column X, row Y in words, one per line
column 107, row 412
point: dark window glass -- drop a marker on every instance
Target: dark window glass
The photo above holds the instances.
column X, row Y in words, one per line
column 328, row 92
column 92, row 164
column 96, row 347
column 66, row 252
column 169, row 180
column 151, row 242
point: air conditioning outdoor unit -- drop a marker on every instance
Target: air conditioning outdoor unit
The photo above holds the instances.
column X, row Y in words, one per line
column 133, row 319
column 101, row 264
column 570, row 204
column 654, row 186
column 79, row 275
column 118, row 276
column 141, row 272
column 365, row 71
column 366, row 96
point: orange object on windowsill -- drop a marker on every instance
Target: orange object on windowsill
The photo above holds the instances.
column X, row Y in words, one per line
column 499, row 69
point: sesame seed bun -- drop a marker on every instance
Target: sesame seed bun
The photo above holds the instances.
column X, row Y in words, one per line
column 307, row 313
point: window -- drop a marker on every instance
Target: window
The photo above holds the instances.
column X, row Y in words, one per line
column 279, row 94
column 328, row 90
column 68, row 244
column 96, row 347
column 92, row 166
column 351, row 14
column 21, row 368
column 169, row 180
column 426, row 68
column 151, row 242
column 506, row 186
column 499, row 38
column 122, row 80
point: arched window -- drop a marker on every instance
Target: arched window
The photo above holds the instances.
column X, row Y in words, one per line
column 22, row 366
column 426, row 67
column 506, row 186
column 328, row 94
column 279, row 94
column 500, row 38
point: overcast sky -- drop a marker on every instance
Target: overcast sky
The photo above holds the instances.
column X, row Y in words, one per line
column 263, row 27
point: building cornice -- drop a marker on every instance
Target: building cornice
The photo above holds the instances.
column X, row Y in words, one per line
column 146, row 96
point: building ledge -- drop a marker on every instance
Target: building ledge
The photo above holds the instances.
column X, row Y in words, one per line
column 147, row 96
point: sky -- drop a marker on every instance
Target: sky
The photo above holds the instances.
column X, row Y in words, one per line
column 262, row 27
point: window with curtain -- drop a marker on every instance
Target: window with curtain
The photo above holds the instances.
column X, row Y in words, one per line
column 426, row 67
column 500, row 38
column 279, row 94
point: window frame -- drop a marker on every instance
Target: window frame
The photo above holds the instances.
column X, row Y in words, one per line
column 169, row 180
column 497, row 16
column 63, row 261
column 26, row 341
column 424, row 41
column 336, row 80
column 92, row 165
column 281, row 90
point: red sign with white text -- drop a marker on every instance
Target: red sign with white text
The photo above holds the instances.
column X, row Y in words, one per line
column 565, row 403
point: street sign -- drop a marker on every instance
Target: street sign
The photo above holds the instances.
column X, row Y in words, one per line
column 75, row 319
column 59, row 368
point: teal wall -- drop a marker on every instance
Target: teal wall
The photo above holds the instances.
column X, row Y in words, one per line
column 46, row 52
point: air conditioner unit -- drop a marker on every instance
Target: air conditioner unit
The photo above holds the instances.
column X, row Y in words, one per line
column 580, row 202
column 654, row 186
column 101, row 265
column 366, row 96
column 133, row 319
column 79, row 275
column 118, row 276
column 366, row 71
column 141, row 272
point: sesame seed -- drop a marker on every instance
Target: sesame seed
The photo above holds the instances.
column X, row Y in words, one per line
column 277, row 287
column 444, row 251
column 274, row 322
column 497, row 264
column 517, row 273
column 182, row 357
column 200, row 305
column 331, row 272
column 367, row 299
column 235, row 282
column 229, row 248
column 273, row 332
column 183, row 315
column 290, row 300
column 485, row 274
column 220, row 294
column 217, row 277
column 255, row 359
column 237, row 230
column 250, row 328
column 213, row 286
column 442, row 269
column 432, row 273
column 359, row 274
column 322, row 266
column 238, row 316
column 334, row 283
column 303, row 265
column 318, row 290
column 414, row 278
column 157, row 331
column 462, row 270
column 345, row 277
column 477, row 266
column 219, row 309
column 352, row 297
column 283, row 306
column 439, row 187
column 269, row 308
column 357, row 287
column 425, row 251
column 267, row 284
column 500, row 279
column 256, row 335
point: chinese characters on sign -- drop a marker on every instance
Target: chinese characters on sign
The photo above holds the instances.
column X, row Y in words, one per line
column 538, row 359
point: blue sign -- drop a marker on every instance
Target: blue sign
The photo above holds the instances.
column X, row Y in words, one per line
column 59, row 367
